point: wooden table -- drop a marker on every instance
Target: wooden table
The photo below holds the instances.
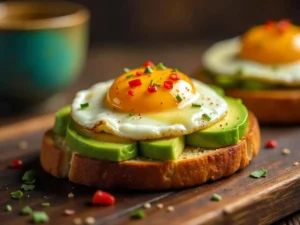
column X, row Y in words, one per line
column 107, row 62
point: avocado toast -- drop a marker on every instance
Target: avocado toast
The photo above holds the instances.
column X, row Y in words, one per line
column 92, row 153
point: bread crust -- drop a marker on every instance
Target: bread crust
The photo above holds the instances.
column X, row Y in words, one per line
column 160, row 175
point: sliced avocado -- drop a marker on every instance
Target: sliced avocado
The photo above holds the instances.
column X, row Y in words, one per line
column 110, row 151
column 162, row 149
column 217, row 89
column 227, row 131
column 227, row 81
column 256, row 85
column 62, row 118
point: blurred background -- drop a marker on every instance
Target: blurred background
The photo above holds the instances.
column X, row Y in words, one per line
column 126, row 33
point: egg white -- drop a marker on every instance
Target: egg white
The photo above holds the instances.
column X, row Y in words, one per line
column 221, row 59
column 188, row 119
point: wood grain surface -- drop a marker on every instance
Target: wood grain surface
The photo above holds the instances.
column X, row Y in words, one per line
column 245, row 200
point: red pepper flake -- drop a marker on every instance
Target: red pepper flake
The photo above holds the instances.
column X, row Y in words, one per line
column 135, row 83
column 270, row 24
column 138, row 73
column 103, row 198
column 174, row 76
column 148, row 63
column 271, row 144
column 152, row 89
column 282, row 25
column 17, row 163
column 130, row 92
column 168, row 84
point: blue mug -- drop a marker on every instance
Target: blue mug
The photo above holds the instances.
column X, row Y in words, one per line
column 42, row 48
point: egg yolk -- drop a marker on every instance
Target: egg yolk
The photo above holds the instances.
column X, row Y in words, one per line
column 272, row 43
column 148, row 89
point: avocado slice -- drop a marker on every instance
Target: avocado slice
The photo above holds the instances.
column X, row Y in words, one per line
column 227, row 131
column 62, row 118
column 256, row 85
column 162, row 149
column 217, row 89
column 97, row 149
column 227, row 81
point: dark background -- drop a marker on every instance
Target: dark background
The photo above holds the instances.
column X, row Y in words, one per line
column 165, row 21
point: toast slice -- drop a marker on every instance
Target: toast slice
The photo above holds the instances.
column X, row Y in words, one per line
column 193, row 167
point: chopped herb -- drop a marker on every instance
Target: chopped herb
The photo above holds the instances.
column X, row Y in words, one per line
column 129, row 76
column 131, row 114
column 151, row 83
column 239, row 72
column 40, row 217
column 179, row 99
column 174, row 70
column 158, row 85
column 259, row 173
column 29, row 177
column 26, row 210
column 138, row 214
column 275, row 67
column 8, row 208
column 127, row 70
column 84, row 105
column 196, row 105
column 28, row 187
column 16, row 194
column 45, row 204
column 216, row 197
column 206, row 117
column 148, row 70
column 160, row 66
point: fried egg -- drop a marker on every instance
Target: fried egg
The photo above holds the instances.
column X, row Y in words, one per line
column 270, row 53
column 148, row 103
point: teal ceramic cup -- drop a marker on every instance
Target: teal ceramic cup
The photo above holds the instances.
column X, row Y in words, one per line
column 42, row 48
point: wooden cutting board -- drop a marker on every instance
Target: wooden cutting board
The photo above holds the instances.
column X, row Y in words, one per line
column 245, row 200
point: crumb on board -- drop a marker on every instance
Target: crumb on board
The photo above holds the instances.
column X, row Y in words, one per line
column 77, row 221
column 159, row 205
column 89, row 220
column 296, row 163
column 147, row 205
column 170, row 208
column 70, row 195
column 286, row 151
column 69, row 212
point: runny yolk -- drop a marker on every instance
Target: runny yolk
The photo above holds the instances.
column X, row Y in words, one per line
column 272, row 43
column 140, row 92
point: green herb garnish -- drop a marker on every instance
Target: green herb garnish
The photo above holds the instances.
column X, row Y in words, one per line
column 158, row 85
column 151, row 82
column 275, row 67
column 216, row 197
column 26, row 210
column 148, row 70
column 179, row 99
column 16, row 194
column 28, row 187
column 138, row 214
column 84, row 105
column 29, row 177
column 206, row 117
column 239, row 72
column 129, row 76
column 196, row 105
column 127, row 70
column 259, row 173
column 40, row 217
column 131, row 114
column 8, row 208
column 160, row 66
column 45, row 204
column 174, row 70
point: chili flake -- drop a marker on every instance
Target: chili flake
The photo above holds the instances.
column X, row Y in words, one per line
column 138, row 73
column 174, row 76
column 16, row 164
column 269, row 24
column 130, row 92
column 135, row 83
column 168, row 84
column 148, row 63
column 282, row 25
column 152, row 89
column 103, row 198
column 271, row 144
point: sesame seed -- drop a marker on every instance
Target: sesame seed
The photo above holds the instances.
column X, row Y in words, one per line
column 77, row 221
column 159, row 206
column 23, row 145
column 170, row 208
column 286, row 151
column 147, row 205
column 89, row 220
column 70, row 195
column 296, row 163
